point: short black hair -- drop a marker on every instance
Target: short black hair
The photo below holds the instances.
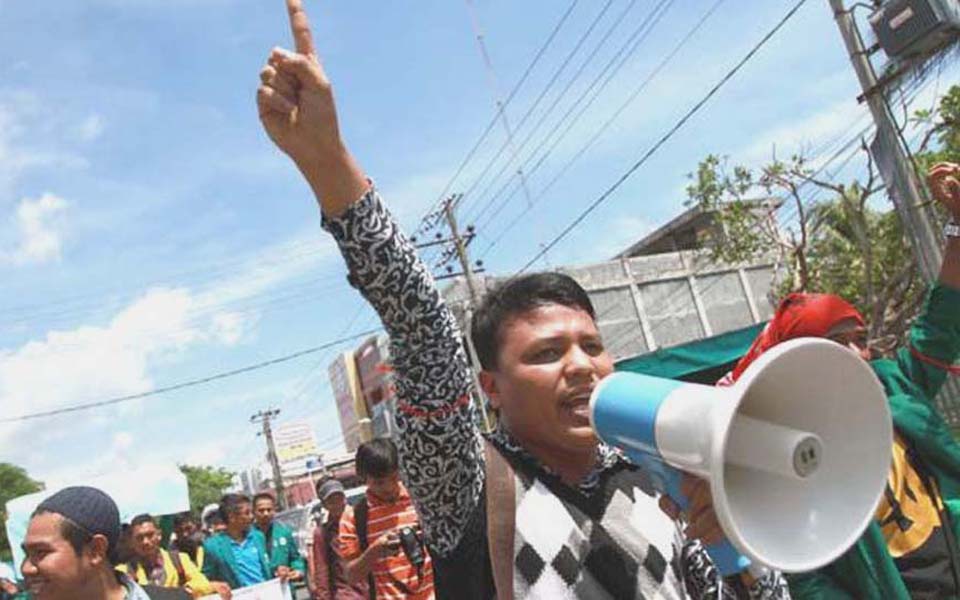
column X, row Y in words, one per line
column 264, row 496
column 231, row 503
column 141, row 519
column 183, row 518
column 515, row 297
column 377, row 458
column 76, row 535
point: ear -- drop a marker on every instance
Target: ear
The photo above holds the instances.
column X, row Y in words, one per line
column 490, row 386
column 98, row 549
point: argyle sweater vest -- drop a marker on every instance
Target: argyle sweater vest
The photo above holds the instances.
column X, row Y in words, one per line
column 570, row 544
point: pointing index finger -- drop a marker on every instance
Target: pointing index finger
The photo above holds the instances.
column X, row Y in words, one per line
column 300, row 25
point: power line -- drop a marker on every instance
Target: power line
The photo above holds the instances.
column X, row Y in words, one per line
column 583, row 149
column 436, row 211
column 553, row 79
column 189, row 383
column 623, row 54
column 666, row 137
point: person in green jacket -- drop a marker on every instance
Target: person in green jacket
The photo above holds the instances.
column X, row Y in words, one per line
column 910, row 548
column 238, row 554
column 282, row 546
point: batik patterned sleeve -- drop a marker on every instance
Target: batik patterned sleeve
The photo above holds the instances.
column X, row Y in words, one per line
column 439, row 443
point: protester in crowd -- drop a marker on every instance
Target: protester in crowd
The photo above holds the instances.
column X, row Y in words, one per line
column 282, row 546
column 910, row 549
column 154, row 565
column 189, row 538
column 212, row 520
column 369, row 542
column 544, row 510
column 327, row 578
column 70, row 547
column 238, row 555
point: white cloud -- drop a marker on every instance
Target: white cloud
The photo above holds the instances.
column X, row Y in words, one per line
column 91, row 128
column 798, row 135
column 24, row 123
column 92, row 363
column 38, row 230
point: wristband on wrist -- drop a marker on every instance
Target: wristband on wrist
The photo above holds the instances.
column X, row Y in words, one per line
column 951, row 230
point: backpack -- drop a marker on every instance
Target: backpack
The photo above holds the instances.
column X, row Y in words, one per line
column 177, row 564
column 361, row 513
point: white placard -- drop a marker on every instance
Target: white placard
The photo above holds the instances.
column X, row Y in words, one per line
column 268, row 590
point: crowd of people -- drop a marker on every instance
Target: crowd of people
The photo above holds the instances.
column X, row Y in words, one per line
column 540, row 508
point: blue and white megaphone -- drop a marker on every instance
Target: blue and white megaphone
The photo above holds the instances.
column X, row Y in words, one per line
column 796, row 452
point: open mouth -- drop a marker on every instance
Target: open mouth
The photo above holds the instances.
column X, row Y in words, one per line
column 578, row 404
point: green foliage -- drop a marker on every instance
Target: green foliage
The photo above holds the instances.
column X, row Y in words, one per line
column 839, row 245
column 14, row 482
column 206, row 484
column 942, row 130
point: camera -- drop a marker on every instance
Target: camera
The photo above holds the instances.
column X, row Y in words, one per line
column 412, row 545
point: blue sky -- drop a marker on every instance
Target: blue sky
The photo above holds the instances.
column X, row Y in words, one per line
column 150, row 234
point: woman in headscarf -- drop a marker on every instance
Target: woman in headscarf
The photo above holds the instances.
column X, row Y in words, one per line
column 910, row 549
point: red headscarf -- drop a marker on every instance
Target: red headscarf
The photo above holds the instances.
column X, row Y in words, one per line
column 799, row 315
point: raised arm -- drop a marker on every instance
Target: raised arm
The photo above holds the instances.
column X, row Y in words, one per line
column 296, row 107
column 935, row 336
column 440, row 456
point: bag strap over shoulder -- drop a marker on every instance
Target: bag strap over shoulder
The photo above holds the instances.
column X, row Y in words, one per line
column 501, row 519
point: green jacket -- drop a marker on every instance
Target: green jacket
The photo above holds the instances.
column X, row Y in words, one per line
column 219, row 563
column 867, row 570
column 283, row 550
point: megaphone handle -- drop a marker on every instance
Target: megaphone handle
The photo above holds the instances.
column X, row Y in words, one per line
column 725, row 556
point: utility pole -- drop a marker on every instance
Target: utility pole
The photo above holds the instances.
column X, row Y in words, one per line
column 264, row 417
column 459, row 243
column 461, row 249
column 889, row 152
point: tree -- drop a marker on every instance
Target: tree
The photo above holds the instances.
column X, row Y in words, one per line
column 14, row 482
column 841, row 245
column 205, row 484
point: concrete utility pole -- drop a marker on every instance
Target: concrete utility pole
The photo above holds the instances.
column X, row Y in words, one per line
column 264, row 417
column 461, row 249
column 890, row 154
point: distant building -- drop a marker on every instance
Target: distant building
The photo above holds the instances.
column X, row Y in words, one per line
column 251, row 481
column 347, row 393
column 376, row 384
column 664, row 290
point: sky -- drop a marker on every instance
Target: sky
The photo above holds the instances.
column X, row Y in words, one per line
column 150, row 234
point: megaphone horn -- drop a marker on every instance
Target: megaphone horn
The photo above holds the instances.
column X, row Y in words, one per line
column 796, row 452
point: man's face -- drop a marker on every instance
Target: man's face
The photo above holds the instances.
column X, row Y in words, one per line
column 386, row 488
column 186, row 530
column 52, row 569
column 145, row 541
column 548, row 362
column 335, row 503
column 263, row 512
column 241, row 518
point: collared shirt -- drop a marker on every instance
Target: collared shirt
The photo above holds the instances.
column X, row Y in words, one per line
column 247, row 555
column 394, row 576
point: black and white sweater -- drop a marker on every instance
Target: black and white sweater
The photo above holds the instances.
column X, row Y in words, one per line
column 605, row 539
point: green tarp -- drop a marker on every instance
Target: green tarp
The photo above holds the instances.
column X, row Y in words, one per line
column 701, row 361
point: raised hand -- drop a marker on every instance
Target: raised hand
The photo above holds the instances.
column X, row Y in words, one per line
column 297, row 110
column 944, row 181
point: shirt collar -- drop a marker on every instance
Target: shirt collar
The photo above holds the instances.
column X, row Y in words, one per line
column 607, row 457
column 401, row 497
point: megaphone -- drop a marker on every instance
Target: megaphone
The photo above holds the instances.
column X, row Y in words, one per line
column 796, row 451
